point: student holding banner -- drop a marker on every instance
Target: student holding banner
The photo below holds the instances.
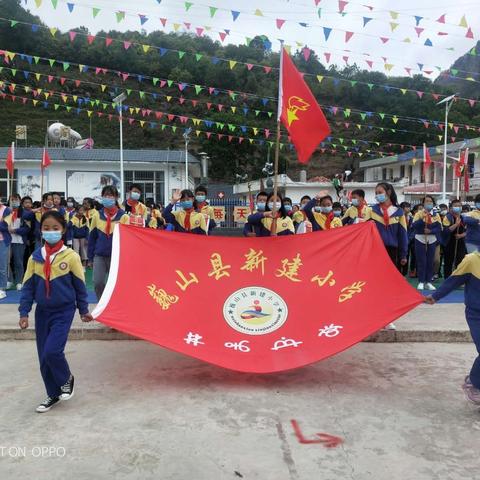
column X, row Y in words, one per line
column 359, row 211
column 300, row 220
column 136, row 210
column 265, row 223
column 454, row 233
column 185, row 220
column 202, row 206
column 320, row 213
column 100, row 237
column 250, row 230
column 472, row 220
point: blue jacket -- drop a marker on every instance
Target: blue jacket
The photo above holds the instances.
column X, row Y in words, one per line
column 26, row 223
column 472, row 221
column 468, row 274
column 395, row 233
column 67, row 283
column 99, row 243
column 419, row 225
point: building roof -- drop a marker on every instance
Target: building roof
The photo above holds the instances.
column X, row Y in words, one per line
column 101, row 155
column 404, row 157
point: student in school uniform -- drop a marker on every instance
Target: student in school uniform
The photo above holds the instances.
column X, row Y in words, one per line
column 69, row 213
column 390, row 221
column 185, row 220
column 300, row 216
column 46, row 206
column 15, row 226
column 55, row 281
column 134, row 208
column 319, row 212
column 427, row 225
column 260, row 206
column 287, row 203
column 454, row 233
column 90, row 211
column 201, row 205
column 267, row 225
column 100, row 237
column 468, row 274
column 57, row 202
column 80, row 230
column 359, row 211
column 472, row 221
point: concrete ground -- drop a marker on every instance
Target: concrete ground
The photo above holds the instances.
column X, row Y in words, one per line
column 141, row 412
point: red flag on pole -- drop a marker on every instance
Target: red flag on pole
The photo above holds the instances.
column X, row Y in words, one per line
column 299, row 111
column 46, row 161
column 427, row 161
column 10, row 160
column 460, row 165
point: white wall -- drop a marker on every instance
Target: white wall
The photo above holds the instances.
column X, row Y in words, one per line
column 56, row 174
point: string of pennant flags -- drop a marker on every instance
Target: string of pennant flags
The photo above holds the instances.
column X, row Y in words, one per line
column 306, row 51
column 233, row 95
column 183, row 119
column 209, row 135
column 332, row 110
column 212, row 10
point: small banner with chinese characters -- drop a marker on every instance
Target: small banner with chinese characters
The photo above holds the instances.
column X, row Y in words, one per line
column 253, row 304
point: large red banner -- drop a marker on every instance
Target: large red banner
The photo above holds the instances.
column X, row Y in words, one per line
column 253, row 304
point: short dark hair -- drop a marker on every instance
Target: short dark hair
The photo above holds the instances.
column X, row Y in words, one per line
column 326, row 197
column 46, row 195
column 287, row 199
column 430, row 197
column 201, row 188
column 359, row 192
column 305, row 197
column 56, row 216
column 443, row 205
column 137, row 186
column 405, row 204
column 110, row 190
column 187, row 194
column 455, row 200
column 262, row 193
column 337, row 205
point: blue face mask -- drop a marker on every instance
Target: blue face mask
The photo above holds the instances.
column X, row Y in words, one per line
column 135, row 196
column 288, row 208
column 108, row 202
column 52, row 236
column 381, row 197
column 355, row 202
column 186, row 204
column 337, row 213
column 457, row 210
column 261, row 206
column 326, row 210
column 428, row 207
column 317, row 208
column 200, row 198
column 14, row 204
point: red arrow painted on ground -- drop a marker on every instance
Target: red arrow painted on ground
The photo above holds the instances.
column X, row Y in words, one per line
column 327, row 440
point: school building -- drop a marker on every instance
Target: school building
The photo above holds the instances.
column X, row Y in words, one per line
column 82, row 173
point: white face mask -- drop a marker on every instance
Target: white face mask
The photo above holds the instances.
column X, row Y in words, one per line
column 278, row 205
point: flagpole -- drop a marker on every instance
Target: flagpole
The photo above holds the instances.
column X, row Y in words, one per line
column 41, row 176
column 13, row 168
column 277, row 144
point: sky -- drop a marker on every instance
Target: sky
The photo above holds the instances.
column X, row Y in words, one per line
column 381, row 40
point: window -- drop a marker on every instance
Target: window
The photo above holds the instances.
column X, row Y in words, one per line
column 402, row 171
column 4, row 183
column 152, row 182
column 410, row 174
column 471, row 165
column 384, row 174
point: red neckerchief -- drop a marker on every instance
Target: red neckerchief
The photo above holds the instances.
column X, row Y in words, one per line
column 386, row 216
column 109, row 213
column 360, row 210
column 201, row 205
column 329, row 219
column 14, row 214
column 47, row 266
column 274, row 223
column 188, row 213
column 134, row 206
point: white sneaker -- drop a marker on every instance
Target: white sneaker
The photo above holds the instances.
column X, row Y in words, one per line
column 9, row 285
column 19, row 286
column 2, row 294
column 390, row 326
column 421, row 286
column 429, row 286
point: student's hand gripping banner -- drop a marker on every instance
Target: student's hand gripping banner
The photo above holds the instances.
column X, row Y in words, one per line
column 253, row 304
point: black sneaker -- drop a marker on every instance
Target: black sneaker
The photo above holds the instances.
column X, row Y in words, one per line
column 47, row 404
column 67, row 389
